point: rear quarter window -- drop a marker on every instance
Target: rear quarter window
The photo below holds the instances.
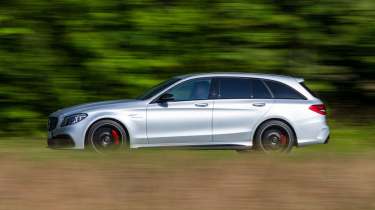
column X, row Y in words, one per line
column 283, row 91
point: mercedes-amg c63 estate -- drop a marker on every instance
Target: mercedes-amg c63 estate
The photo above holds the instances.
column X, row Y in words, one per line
column 217, row 110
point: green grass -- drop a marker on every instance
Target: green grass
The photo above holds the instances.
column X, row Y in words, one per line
column 345, row 139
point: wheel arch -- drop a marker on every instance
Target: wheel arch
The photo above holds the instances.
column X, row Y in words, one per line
column 279, row 119
column 108, row 118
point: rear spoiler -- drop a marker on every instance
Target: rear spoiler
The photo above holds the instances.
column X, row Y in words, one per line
column 299, row 80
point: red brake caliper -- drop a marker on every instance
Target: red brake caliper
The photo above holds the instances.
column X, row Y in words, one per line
column 116, row 137
column 283, row 139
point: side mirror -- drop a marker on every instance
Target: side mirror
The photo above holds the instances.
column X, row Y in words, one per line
column 165, row 98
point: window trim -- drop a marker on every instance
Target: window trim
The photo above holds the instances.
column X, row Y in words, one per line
column 181, row 82
column 283, row 84
column 214, row 92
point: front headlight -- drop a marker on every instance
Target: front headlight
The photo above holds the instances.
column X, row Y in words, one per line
column 72, row 119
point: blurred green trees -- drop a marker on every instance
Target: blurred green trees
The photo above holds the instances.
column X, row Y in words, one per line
column 63, row 52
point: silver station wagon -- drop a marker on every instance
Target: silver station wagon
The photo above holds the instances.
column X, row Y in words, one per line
column 215, row 110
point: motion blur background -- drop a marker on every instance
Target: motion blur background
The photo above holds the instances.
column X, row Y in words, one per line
column 58, row 53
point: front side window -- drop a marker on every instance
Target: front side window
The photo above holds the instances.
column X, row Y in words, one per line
column 196, row 89
column 234, row 88
column 282, row 91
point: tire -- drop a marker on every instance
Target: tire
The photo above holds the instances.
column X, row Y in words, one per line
column 107, row 135
column 274, row 136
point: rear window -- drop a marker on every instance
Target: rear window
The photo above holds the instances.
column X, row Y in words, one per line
column 307, row 89
column 282, row 91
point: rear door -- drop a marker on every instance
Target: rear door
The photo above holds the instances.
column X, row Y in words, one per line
column 240, row 104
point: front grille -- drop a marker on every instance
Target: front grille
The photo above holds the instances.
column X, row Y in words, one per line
column 52, row 123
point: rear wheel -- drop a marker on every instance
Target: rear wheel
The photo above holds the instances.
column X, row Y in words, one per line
column 274, row 136
column 106, row 135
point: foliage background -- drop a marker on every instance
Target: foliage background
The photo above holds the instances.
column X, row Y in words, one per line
column 62, row 52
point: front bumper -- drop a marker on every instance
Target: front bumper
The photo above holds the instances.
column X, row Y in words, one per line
column 72, row 136
column 60, row 141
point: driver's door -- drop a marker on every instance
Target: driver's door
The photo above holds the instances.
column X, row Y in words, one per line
column 186, row 120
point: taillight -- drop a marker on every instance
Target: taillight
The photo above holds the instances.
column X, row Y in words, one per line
column 318, row 108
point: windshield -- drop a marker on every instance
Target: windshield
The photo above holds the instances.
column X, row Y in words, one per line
column 155, row 90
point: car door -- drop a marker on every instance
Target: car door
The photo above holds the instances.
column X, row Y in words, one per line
column 187, row 119
column 240, row 104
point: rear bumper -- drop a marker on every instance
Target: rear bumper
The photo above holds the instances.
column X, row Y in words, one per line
column 321, row 138
column 327, row 140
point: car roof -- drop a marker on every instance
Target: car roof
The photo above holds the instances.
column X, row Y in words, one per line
column 283, row 78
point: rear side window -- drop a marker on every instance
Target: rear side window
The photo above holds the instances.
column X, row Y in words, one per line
column 260, row 91
column 234, row 88
column 282, row 91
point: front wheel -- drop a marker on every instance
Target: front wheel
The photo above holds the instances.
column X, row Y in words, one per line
column 274, row 136
column 106, row 135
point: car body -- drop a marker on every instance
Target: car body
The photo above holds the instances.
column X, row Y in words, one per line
column 228, row 117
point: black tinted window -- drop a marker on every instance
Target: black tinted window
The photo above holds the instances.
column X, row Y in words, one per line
column 282, row 91
column 196, row 89
column 234, row 88
column 260, row 91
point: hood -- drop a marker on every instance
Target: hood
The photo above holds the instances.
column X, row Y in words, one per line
column 95, row 105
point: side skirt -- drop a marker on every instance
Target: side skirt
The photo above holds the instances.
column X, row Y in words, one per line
column 201, row 147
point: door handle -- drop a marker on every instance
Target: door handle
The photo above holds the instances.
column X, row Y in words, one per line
column 201, row 105
column 260, row 104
